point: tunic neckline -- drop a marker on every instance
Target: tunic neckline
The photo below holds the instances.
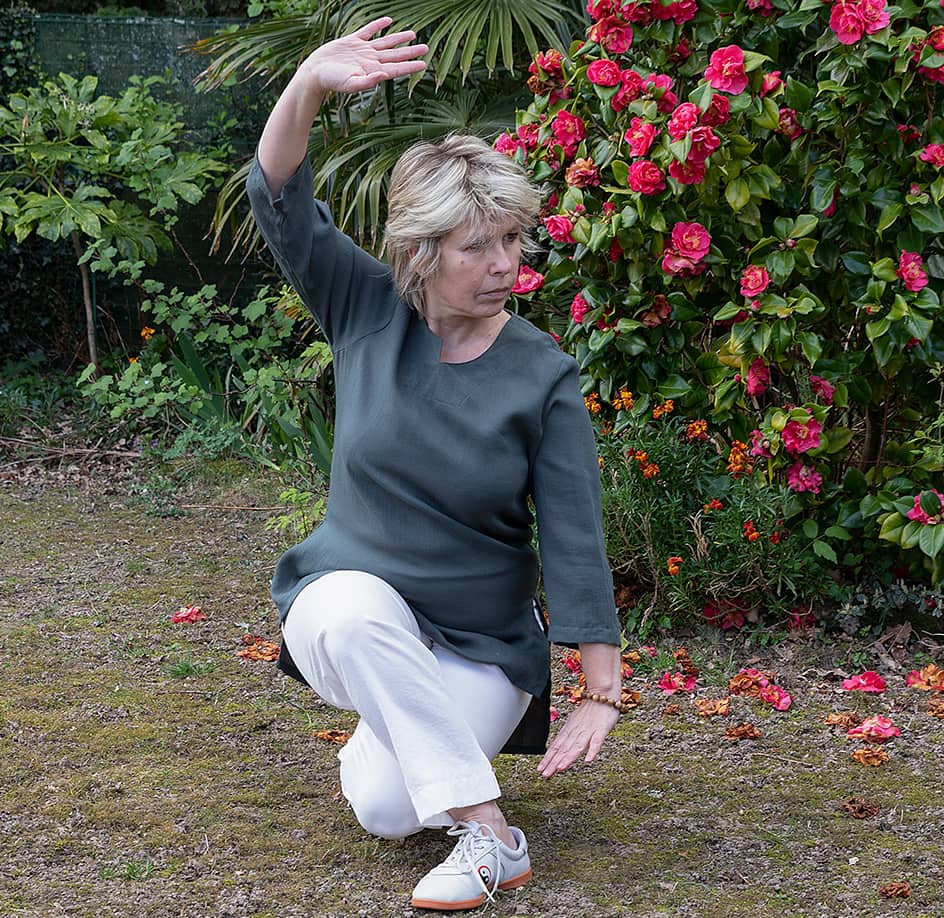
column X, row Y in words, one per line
column 437, row 342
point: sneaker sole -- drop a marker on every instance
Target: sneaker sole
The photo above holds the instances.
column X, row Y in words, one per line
column 513, row 883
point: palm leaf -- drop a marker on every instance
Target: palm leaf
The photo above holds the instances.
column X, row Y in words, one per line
column 455, row 29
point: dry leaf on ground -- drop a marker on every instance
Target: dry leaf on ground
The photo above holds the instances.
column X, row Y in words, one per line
column 844, row 719
column 712, row 707
column 338, row 737
column 936, row 706
column 685, row 663
column 743, row 731
column 899, row 890
column 258, row 648
column 870, row 755
column 672, row 710
column 860, row 808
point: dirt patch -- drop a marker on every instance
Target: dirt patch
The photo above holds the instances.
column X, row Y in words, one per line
column 145, row 769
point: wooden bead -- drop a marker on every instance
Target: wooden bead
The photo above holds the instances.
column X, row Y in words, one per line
column 605, row 699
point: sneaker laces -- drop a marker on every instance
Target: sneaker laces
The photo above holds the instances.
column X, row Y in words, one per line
column 473, row 845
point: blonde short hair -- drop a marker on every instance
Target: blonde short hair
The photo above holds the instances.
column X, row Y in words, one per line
column 438, row 187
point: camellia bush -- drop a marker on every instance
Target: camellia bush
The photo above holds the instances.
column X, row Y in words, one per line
column 744, row 216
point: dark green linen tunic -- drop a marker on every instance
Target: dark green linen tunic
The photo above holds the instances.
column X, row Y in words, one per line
column 434, row 463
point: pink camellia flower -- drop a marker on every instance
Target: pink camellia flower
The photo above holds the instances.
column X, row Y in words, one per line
column 660, row 87
column 547, row 64
column 188, row 615
column 911, row 271
column 789, row 126
column 801, row 477
column 847, row 21
column 754, row 280
column 920, row 515
column 822, row 389
column 725, row 70
column 869, row 681
column 691, row 240
column 528, row 280
column 604, row 73
column 909, row 133
column 597, row 9
column 724, row 614
column 679, row 265
column 613, row 34
column 630, row 89
column 760, row 446
column 874, row 15
column 683, row 11
column 616, row 251
column 718, row 111
column 704, row 142
column 764, row 7
column 801, row 438
column 640, row 135
column 772, row 83
column 507, row 144
column 800, row 618
column 579, row 307
column 553, row 713
column 528, row 134
column 683, row 119
column 687, row 173
column 933, row 153
column 758, row 378
column 874, row 729
column 559, row 228
column 670, row 683
column 568, row 131
column 776, row 697
column 646, row 177
column 581, row 173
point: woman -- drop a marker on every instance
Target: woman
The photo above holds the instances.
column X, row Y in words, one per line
column 413, row 602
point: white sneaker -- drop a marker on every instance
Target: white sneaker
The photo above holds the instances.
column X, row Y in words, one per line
column 480, row 864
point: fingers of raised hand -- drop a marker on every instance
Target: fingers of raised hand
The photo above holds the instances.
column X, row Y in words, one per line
column 582, row 734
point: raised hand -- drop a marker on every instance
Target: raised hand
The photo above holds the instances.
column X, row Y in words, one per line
column 359, row 61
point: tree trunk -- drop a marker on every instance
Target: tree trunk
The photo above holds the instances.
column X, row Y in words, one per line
column 87, row 298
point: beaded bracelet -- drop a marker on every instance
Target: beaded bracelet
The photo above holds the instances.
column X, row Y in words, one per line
column 605, row 699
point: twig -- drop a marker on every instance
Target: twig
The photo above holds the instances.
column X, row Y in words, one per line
column 66, row 450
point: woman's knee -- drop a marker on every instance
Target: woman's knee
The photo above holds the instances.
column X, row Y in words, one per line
column 382, row 814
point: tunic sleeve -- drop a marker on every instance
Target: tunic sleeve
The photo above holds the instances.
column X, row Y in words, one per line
column 566, row 488
column 348, row 291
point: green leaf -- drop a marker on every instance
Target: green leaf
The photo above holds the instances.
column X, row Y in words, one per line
column 930, row 503
column 738, row 194
column 769, row 117
column 803, row 225
column 857, row 262
column 892, row 528
column 674, row 386
column 825, row 550
column 910, row 534
column 927, row 218
column 877, row 328
column 931, row 540
column 810, row 529
column 620, row 171
column 890, row 213
column 839, row 532
column 885, row 269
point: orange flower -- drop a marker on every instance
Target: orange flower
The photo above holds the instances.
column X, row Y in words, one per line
column 696, row 430
column 623, row 401
column 742, row 731
column 256, row 648
column 928, row 678
column 713, row 504
column 650, row 470
column 667, row 407
column 674, row 564
column 592, row 401
column 712, row 707
column 899, row 890
column 739, row 463
column 132, row 360
column 147, row 333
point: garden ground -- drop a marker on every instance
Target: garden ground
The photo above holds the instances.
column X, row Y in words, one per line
column 146, row 769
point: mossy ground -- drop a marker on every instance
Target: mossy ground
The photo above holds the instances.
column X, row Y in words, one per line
column 147, row 770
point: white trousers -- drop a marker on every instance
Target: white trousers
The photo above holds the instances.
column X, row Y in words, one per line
column 431, row 721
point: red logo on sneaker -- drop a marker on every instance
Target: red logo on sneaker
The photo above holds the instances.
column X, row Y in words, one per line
column 485, row 874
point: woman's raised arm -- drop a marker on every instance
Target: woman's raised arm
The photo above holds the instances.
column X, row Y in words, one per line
column 349, row 64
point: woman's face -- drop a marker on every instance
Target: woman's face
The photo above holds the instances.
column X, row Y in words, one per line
column 477, row 269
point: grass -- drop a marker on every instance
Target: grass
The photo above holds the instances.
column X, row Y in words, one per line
column 146, row 770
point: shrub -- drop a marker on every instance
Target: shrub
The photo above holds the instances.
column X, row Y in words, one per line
column 744, row 215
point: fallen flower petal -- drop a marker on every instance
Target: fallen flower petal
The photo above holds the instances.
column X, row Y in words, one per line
column 870, row 755
column 845, row 719
column 743, row 731
column 859, row 808
column 670, row 683
column 257, row 648
column 929, row 678
column 188, row 615
column 777, row 697
column 630, row 699
column 936, row 706
column 685, row 663
column 554, row 713
column 869, row 681
column 712, row 707
column 748, row 682
column 338, row 737
column 671, row 710
column 876, row 729
column 571, row 660
column 899, row 890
